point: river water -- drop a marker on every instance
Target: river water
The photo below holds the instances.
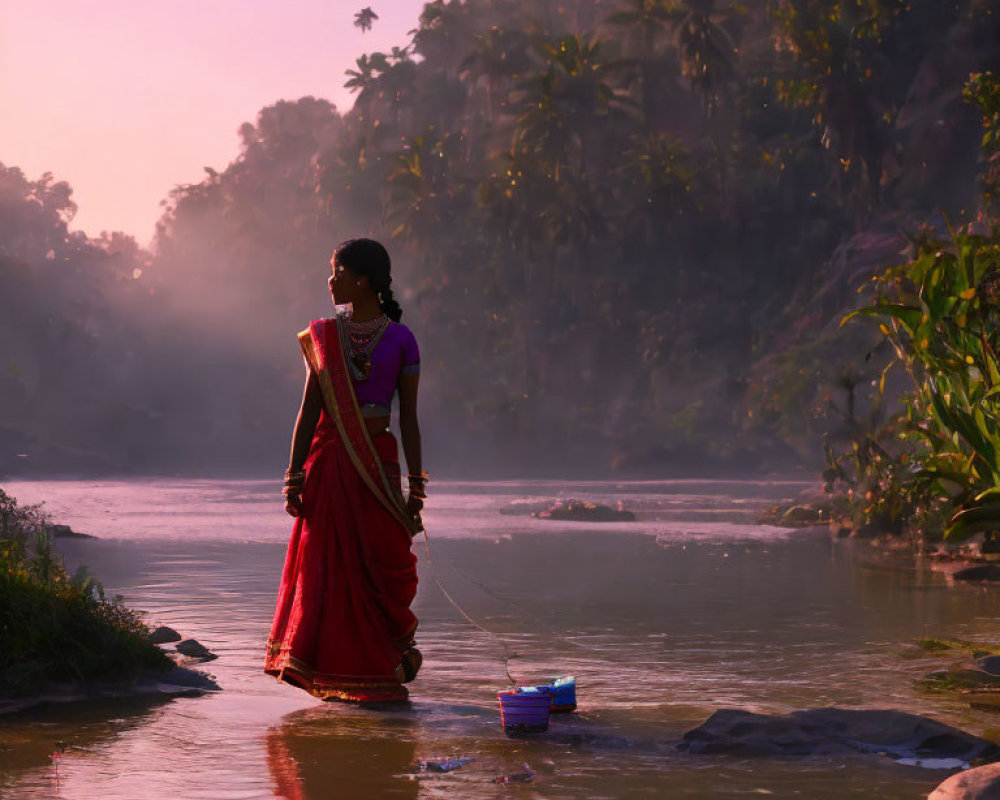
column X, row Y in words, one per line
column 690, row 609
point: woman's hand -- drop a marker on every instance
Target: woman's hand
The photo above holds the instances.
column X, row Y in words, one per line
column 293, row 504
column 293, row 500
column 414, row 505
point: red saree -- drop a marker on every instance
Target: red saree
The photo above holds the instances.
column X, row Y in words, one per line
column 343, row 615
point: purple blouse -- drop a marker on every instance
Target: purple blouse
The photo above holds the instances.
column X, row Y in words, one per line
column 395, row 354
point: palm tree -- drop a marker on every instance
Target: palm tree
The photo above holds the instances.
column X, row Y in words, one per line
column 364, row 19
column 498, row 57
column 833, row 53
column 648, row 19
column 707, row 51
column 568, row 104
column 646, row 23
column 362, row 80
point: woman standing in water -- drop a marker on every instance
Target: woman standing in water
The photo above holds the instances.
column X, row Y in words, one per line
column 343, row 628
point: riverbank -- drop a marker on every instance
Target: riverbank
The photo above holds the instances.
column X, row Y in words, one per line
column 974, row 559
column 61, row 634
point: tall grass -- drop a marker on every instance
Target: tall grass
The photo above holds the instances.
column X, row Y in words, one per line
column 55, row 627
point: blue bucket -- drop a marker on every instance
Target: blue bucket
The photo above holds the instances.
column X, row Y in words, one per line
column 524, row 711
column 563, row 693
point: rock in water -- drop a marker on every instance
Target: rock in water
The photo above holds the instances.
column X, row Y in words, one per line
column 980, row 572
column 990, row 664
column 164, row 635
column 195, row 649
column 800, row 517
column 188, row 678
column 835, row 731
column 66, row 532
column 981, row 783
column 580, row 511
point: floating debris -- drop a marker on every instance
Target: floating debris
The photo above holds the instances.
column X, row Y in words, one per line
column 526, row 776
column 444, row 764
column 934, row 763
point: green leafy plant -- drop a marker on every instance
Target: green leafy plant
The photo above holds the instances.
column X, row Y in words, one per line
column 56, row 627
column 939, row 312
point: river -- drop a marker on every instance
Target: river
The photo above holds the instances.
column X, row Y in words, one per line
column 691, row 608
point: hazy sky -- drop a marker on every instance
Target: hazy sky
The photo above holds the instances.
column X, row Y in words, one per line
column 126, row 98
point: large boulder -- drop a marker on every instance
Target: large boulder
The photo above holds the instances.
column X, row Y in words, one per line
column 835, row 731
column 981, row 783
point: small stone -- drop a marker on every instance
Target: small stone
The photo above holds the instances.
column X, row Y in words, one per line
column 800, row 516
column 164, row 635
column 195, row 649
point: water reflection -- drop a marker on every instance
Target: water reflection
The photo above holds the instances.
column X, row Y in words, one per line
column 342, row 751
column 662, row 623
column 34, row 742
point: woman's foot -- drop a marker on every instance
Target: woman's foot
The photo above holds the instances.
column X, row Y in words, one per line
column 410, row 662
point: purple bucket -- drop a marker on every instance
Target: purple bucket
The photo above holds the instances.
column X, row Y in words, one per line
column 524, row 712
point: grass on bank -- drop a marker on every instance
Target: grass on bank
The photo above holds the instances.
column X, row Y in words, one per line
column 57, row 628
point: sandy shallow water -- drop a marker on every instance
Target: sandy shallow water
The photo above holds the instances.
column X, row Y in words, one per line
column 690, row 609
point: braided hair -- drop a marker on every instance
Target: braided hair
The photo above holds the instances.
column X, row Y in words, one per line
column 366, row 258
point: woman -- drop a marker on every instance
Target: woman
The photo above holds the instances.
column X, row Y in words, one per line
column 343, row 628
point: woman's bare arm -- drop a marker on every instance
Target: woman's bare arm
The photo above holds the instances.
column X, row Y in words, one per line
column 409, row 431
column 305, row 426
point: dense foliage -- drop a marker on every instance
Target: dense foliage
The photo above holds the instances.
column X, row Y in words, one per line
column 623, row 233
column 934, row 467
column 56, row 627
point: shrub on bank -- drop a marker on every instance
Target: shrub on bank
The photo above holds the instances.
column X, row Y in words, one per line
column 55, row 627
column 933, row 468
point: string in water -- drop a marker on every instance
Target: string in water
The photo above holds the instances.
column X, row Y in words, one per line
column 522, row 611
column 508, row 654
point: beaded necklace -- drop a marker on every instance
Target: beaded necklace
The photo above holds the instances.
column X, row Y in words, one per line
column 360, row 341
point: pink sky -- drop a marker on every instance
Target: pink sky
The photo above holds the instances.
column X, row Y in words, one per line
column 124, row 99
